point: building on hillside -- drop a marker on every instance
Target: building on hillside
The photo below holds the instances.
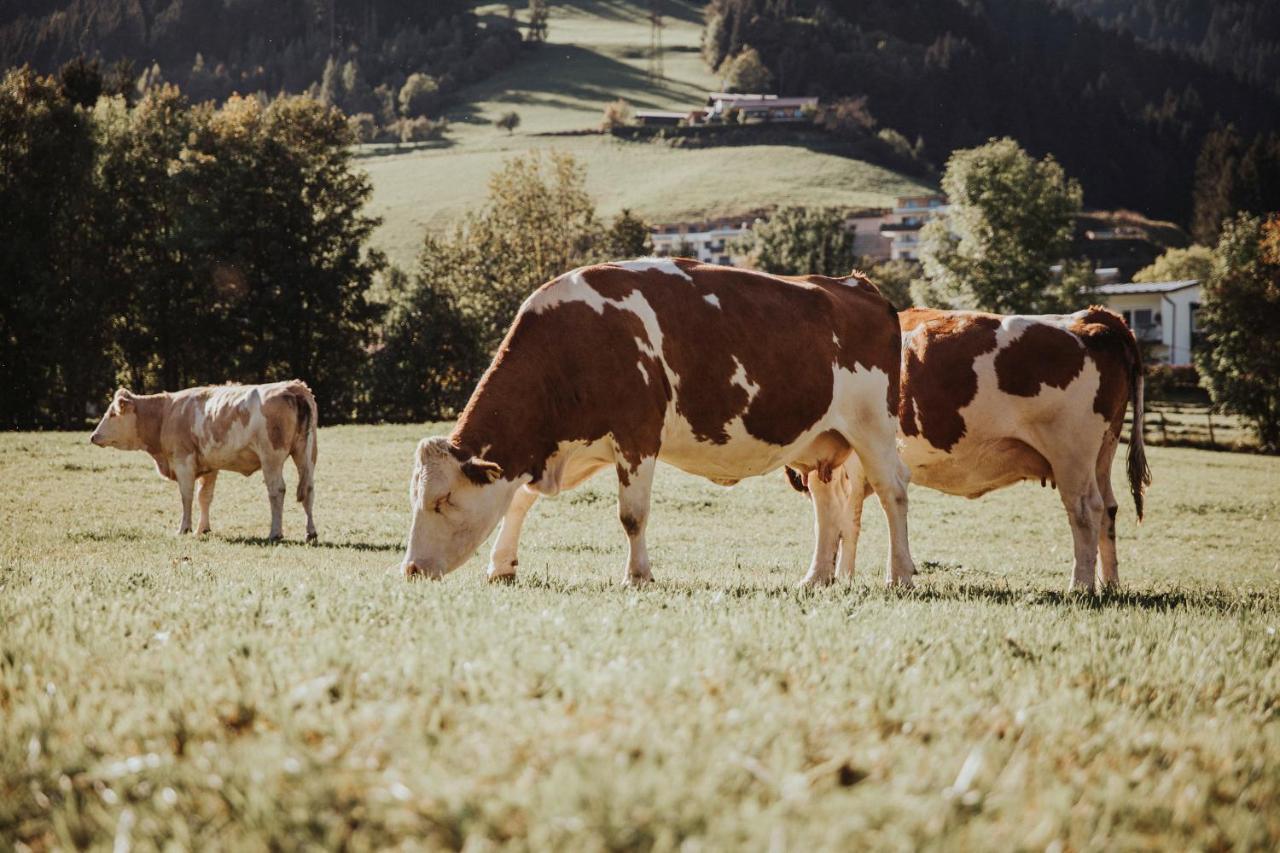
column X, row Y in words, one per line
column 758, row 107
column 710, row 241
column 667, row 118
column 902, row 229
column 1162, row 315
column 869, row 241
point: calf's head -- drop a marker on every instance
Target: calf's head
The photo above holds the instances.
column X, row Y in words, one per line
column 456, row 500
column 119, row 426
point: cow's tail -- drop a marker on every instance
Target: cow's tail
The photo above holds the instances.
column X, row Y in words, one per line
column 308, row 418
column 1139, row 471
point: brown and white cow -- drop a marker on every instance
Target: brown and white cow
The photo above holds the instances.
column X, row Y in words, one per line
column 720, row 372
column 194, row 434
column 990, row 400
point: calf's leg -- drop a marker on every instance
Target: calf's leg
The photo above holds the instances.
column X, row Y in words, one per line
column 184, row 472
column 306, row 486
column 503, row 560
column 273, row 474
column 204, row 495
column 634, row 488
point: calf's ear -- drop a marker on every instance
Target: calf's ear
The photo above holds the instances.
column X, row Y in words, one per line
column 481, row 471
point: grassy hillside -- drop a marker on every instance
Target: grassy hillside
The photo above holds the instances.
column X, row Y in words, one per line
column 596, row 53
column 222, row 693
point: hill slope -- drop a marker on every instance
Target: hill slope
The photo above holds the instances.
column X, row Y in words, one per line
column 597, row 52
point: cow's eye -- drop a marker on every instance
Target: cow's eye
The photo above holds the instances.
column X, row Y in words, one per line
column 440, row 504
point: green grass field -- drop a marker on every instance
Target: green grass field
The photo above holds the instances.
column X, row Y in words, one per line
column 222, row 693
column 596, row 53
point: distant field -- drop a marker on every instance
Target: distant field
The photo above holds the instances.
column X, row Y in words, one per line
column 596, row 53
column 220, row 693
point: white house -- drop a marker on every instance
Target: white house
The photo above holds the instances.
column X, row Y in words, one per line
column 709, row 241
column 761, row 107
column 1162, row 314
column 908, row 217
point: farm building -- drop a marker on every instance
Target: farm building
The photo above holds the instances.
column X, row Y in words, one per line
column 1162, row 314
column 758, row 107
column 902, row 229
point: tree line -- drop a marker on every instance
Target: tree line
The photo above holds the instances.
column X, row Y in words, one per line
column 1128, row 120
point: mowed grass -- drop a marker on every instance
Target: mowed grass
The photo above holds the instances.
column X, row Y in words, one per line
column 224, row 693
column 597, row 52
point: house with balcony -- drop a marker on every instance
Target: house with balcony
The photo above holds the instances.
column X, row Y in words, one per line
column 710, row 241
column 902, row 228
column 1162, row 315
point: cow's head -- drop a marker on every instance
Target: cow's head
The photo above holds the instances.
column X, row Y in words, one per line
column 119, row 426
column 456, row 501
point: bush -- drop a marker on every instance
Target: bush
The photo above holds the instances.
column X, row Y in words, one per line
column 420, row 129
column 418, row 95
column 363, row 127
column 617, row 114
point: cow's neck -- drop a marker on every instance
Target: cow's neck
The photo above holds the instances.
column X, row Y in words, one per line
column 151, row 411
column 503, row 422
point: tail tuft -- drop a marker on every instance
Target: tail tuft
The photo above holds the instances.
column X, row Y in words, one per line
column 1139, row 471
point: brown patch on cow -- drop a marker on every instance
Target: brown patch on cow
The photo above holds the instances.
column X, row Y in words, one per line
column 938, row 377
column 570, row 373
column 1114, row 350
column 281, row 417
column 1042, row 355
column 630, row 524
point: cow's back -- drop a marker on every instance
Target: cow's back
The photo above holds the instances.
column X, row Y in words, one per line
column 232, row 427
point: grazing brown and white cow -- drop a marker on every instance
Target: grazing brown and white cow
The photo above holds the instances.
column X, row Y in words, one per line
column 990, row 400
column 720, row 372
column 194, row 434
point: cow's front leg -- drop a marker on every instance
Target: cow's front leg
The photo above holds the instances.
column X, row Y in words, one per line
column 503, row 559
column 184, row 472
column 827, row 510
column 635, row 484
column 204, row 495
column 878, row 457
column 273, row 473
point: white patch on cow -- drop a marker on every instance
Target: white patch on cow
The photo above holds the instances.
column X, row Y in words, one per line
column 741, row 380
column 712, row 298
column 662, row 265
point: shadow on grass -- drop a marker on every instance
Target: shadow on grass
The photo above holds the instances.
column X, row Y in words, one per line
column 116, row 535
column 298, row 543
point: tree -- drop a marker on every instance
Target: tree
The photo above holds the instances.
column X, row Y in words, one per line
column 1234, row 176
column 539, row 14
column 537, row 222
column 81, row 81
column 1008, row 227
column 51, row 328
column 1193, row 262
column 1239, row 301
column 418, row 95
column 627, row 237
column 616, row 114
column 509, row 121
column 848, row 117
column 428, row 360
column 802, row 240
column 747, row 72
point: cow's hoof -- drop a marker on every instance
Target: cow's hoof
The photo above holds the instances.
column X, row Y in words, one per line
column 312, row 537
column 813, row 580
column 637, row 581
column 275, row 538
column 507, row 578
column 903, row 583
column 204, row 531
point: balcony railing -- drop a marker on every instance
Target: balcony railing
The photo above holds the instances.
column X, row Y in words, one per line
column 1148, row 333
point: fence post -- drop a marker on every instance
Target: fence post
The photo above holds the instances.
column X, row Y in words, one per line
column 1164, row 430
column 1212, row 442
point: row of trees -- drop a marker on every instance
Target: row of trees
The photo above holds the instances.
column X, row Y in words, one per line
column 165, row 244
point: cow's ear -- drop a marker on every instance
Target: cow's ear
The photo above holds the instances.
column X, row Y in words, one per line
column 481, row 471
column 124, row 404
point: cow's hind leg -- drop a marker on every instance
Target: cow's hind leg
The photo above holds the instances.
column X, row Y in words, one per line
column 306, row 485
column 828, row 511
column 273, row 474
column 1078, row 486
column 204, row 496
column 1108, row 558
column 634, row 487
column 503, row 559
column 878, row 455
